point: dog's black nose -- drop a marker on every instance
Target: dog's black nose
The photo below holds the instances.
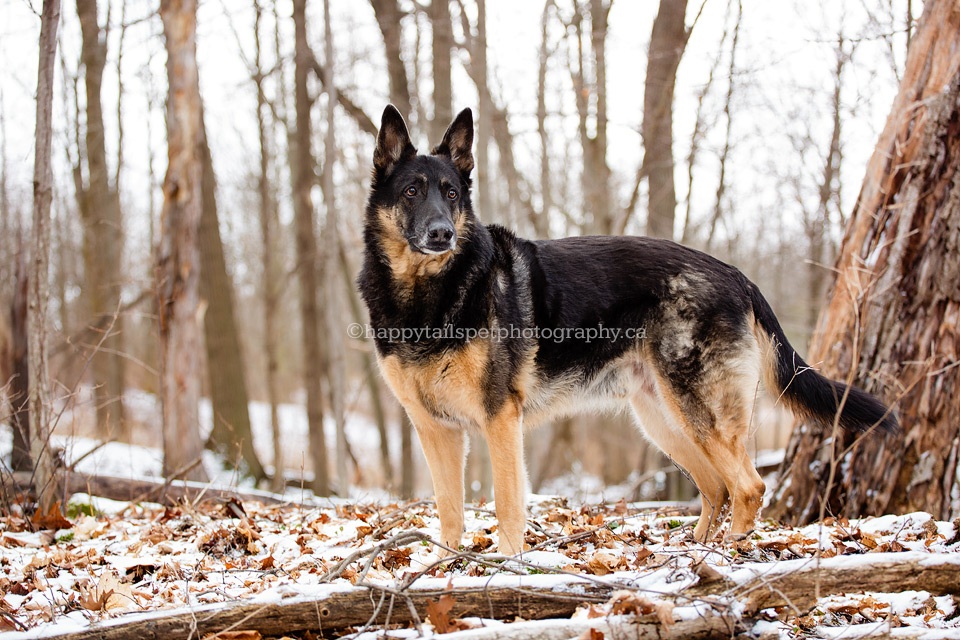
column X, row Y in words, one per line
column 440, row 232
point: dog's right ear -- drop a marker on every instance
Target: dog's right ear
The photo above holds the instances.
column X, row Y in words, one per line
column 393, row 141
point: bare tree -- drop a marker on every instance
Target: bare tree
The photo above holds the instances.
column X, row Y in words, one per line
column 441, row 26
column 269, row 279
column 18, row 394
column 728, row 117
column 39, row 260
column 541, row 223
column 178, row 261
column 231, row 434
column 304, row 178
column 890, row 319
column 388, row 16
column 667, row 43
column 102, row 232
column 591, row 101
column 336, row 362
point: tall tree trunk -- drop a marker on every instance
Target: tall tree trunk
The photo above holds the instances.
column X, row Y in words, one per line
column 541, row 223
column 336, row 332
column 231, row 435
column 598, row 193
column 370, row 372
column 892, row 315
column 6, row 250
column 304, row 177
column 102, row 235
column 178, row 279
column 37, row 280
column 19, row 390
column 442, row 29
column 268, row 283
column 667, row 42
column 407, row 471
column 819, row 223
column 478, row 57
column 388, row 16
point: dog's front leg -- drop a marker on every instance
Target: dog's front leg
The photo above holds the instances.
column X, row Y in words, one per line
column 444, row 448
column 504, row 434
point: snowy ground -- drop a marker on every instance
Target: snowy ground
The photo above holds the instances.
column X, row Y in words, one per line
column 113, row 560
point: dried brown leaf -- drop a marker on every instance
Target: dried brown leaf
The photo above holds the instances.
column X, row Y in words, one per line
column 438, row 613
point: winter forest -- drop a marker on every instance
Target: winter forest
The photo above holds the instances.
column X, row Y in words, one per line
column 197, row 438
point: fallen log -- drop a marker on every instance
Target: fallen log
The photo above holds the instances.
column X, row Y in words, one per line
column 153, row 489
column 787, row 583
column 339, row 609
column 796, row 583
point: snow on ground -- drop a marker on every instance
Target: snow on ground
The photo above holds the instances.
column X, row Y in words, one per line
column 112, row 560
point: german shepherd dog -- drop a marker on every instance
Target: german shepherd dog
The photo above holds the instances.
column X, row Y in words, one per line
column 479, row 330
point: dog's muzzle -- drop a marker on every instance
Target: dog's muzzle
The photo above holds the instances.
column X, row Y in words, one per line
column 440, row 237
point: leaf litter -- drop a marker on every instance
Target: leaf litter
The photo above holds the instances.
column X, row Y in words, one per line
column 59, row 574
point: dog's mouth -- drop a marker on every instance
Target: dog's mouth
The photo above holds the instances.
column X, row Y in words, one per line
column 435, row 248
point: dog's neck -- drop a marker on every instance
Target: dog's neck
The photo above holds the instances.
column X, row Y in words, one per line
column 425, row 290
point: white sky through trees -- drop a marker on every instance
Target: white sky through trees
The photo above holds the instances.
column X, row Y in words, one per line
column 785, row 65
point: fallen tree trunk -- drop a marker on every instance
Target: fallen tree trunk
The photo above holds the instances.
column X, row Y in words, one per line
column 341, row 609
column 795, row 583
column 787, row 583
column 152, row 490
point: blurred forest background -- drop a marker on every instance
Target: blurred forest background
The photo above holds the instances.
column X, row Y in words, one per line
column 739, row 127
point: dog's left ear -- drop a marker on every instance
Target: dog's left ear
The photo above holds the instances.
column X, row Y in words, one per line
column 458, row 143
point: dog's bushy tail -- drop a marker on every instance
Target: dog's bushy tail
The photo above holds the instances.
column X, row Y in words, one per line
column 810, row 394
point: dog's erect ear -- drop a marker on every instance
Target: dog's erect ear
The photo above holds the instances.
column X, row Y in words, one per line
column 393, row 141
column 458, row 142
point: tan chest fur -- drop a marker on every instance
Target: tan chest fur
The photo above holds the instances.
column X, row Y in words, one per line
column 448, row 388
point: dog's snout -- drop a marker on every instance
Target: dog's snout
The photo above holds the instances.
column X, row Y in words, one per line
column 440, row 231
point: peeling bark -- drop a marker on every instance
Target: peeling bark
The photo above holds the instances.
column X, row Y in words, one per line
column 892, row 318
column 178, row 279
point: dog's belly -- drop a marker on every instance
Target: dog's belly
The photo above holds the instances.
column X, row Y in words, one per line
column 553, row 397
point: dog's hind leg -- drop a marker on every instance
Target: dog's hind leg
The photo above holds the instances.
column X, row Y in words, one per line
column 445, row 450
column 729, row 457
column 504, row 434
column 672, row 440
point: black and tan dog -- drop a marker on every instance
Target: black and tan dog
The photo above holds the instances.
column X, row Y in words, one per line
column 477, row 329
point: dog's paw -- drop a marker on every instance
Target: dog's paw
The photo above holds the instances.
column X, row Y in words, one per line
column 735, row 538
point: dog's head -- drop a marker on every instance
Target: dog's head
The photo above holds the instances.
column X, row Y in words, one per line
column 426, row 196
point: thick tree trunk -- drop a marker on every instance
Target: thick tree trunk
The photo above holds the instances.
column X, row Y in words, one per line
column 178, row 279
column 442, row 29
column 667, row 42
column 231, row 435
column 892, row 316
column 38, row 286
column 102, row 235
column 304, row 178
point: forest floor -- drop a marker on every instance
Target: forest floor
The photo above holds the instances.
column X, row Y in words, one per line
column 336, row 568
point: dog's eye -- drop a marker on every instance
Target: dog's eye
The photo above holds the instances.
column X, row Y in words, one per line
column 452, row 194
column 410, row 192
